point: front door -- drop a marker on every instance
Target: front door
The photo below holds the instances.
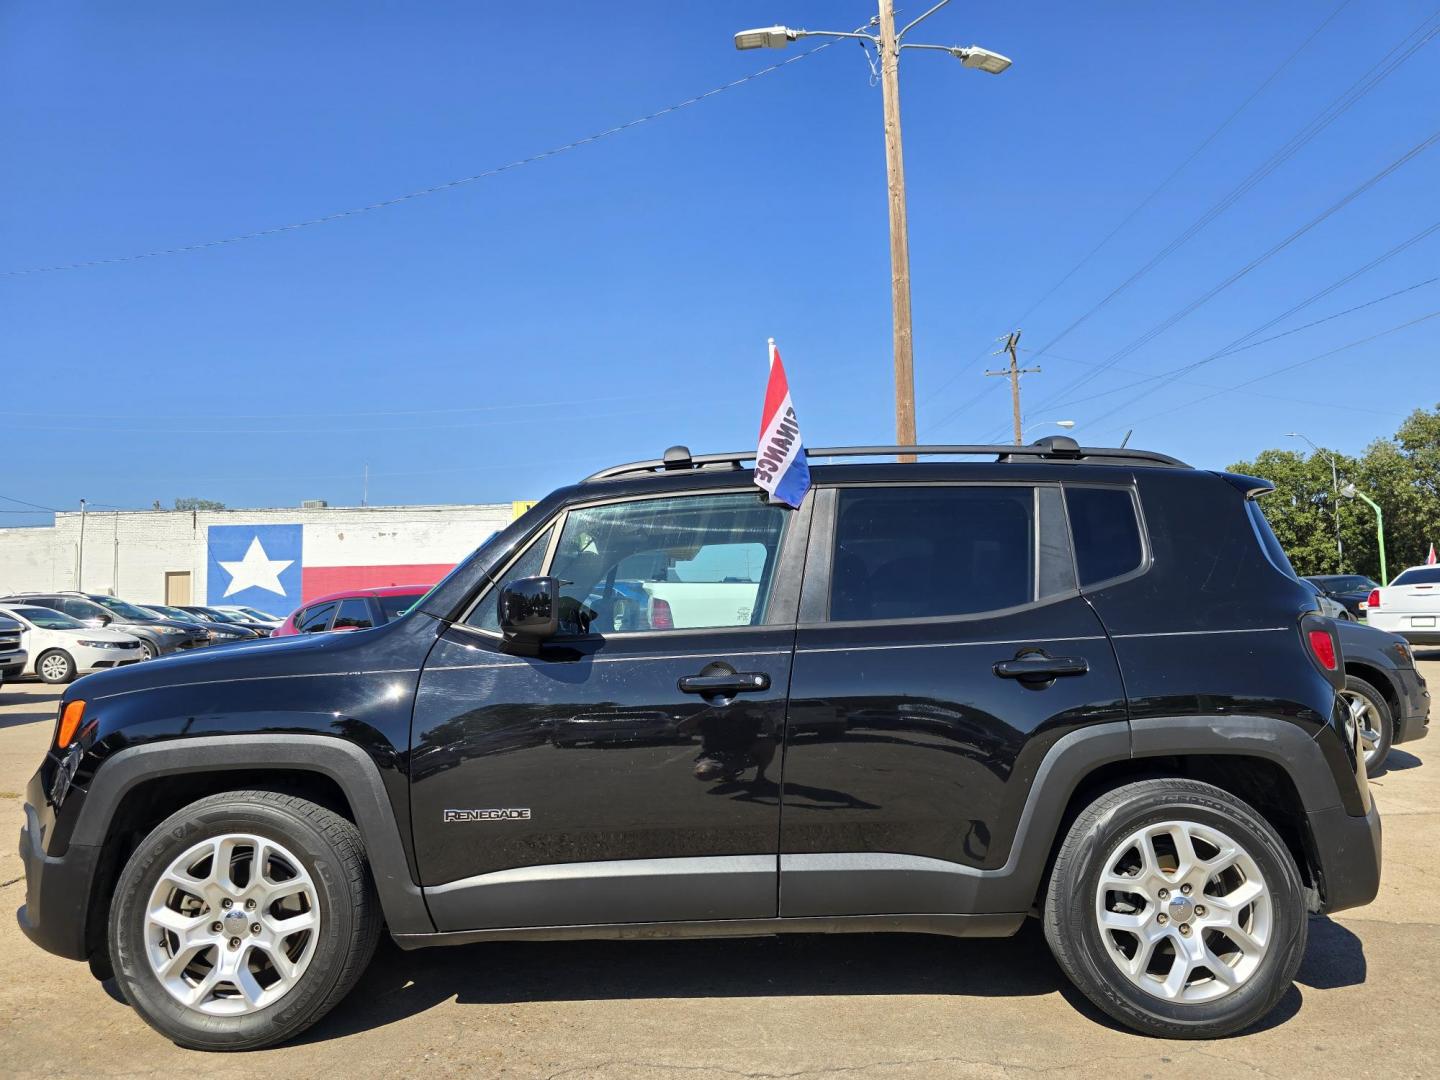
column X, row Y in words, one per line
column 630, row 771
column 942, row 648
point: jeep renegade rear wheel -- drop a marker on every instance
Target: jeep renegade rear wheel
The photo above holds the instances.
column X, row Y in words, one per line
column 1176, row 908
column 242, row 919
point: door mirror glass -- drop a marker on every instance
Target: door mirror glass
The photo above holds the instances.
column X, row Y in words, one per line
column 529, row 610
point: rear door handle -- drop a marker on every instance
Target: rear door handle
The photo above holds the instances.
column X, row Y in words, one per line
column 734, row 682
column 1037, row 667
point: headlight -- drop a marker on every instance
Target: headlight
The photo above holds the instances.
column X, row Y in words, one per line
column 101, row 644
column 167, row 630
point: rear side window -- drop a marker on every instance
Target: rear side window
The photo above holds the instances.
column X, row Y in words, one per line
column 927, row 552
column 1104, row 531
column 354, row 615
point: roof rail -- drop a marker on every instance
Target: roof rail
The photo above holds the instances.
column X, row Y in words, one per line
column 1052, row 448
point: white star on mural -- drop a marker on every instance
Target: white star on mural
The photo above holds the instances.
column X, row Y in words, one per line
column 256, row 571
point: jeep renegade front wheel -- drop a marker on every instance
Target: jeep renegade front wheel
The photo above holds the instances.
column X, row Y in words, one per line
column 242, row 919
column 1175, row 908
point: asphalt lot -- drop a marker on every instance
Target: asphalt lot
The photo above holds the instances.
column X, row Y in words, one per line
column 805, row 1007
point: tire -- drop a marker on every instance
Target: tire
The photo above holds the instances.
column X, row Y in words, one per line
column 150, row 651
column 55, row 666
column 1377, row 723
column 315, row 854
column 1092, row 956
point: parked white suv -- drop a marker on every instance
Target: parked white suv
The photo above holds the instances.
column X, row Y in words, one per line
column 60, row 647
column 1409, row 606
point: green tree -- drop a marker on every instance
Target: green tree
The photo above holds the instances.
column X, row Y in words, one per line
column 198, row 504
column 1401, row 473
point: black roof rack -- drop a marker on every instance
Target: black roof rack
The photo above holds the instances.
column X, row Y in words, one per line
column 1054, row 448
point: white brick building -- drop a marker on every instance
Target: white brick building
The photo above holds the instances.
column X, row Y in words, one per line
column 160, row 556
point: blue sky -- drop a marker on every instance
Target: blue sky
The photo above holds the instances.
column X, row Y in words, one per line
column 496, row 339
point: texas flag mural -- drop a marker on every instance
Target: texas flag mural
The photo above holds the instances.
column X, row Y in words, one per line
column 780, row 464
column 277, row 568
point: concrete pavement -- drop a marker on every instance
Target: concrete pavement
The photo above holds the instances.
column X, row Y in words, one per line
column 885, row 1007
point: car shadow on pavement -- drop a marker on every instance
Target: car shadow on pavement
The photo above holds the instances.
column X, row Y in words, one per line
column 1397, row 761
column 11, row 720
column 401, row 984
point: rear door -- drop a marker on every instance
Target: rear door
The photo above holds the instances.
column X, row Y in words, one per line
column 942, row 649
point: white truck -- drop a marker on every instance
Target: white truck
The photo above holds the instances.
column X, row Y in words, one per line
column 1408, row 606
column 12, row 656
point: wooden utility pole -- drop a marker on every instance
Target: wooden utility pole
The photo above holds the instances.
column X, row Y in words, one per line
column 899, row 232
column 1013, row 372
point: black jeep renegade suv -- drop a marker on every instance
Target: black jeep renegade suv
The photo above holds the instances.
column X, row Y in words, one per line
column 941, row 696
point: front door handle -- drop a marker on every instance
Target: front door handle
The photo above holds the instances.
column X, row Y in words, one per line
column 725, row 683
column 1037, row 667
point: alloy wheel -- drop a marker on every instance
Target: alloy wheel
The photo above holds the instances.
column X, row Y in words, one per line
column 232, row 925
column 1183, row 911
column 54, row 667
column 1367, row 720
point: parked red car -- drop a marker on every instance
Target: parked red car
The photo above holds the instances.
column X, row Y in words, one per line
column 353, row 609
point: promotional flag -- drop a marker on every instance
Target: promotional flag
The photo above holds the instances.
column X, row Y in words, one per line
column 1430, row 559
column 780, row 465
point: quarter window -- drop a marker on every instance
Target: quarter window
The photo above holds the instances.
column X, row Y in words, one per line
column 927, row 552
column 486, row 615
column 1104, row 532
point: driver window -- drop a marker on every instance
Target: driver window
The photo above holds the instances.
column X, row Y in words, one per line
column 668, row 564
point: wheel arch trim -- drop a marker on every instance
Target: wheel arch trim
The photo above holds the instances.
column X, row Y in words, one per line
column 346, row 764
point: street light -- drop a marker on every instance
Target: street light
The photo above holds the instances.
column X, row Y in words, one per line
column 1335, row 509
column 1350, row 492
column 888, row 43
column 1067, row 424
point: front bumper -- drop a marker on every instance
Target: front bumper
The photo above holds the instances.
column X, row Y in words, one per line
column 57, row 892
column 1347, row 852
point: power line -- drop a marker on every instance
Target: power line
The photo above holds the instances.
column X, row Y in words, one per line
column 22, row 502
column 1385, row 67
column 1298, row 363
column 1242, row 343
column 1175, row 317
column 448, row 185
column 1148, row 199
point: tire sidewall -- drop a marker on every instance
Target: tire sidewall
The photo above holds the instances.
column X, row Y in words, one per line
column 170, row 839
column 69, row 667
column 1289, row 919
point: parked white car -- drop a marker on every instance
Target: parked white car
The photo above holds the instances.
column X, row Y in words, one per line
column 1409, row 606
column 59, row 647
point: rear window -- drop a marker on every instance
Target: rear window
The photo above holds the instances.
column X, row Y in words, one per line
column 1104, row 531
column 1419, row 575
column 395, row 606
column 315, row 619
column 354, row 615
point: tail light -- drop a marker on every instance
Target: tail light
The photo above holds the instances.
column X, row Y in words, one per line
column 661, row 618
column 1374, row 600
column 1322, row 647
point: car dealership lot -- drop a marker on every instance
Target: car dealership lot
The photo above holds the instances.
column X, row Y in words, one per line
column 877, row 1006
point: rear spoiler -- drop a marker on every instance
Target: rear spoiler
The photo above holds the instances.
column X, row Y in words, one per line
column 1252, row 487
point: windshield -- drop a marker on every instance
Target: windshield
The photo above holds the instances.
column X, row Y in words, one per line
column 127, row 611
column 174, row 613
column 256, row 613
column 47, row 619
column 217, row 615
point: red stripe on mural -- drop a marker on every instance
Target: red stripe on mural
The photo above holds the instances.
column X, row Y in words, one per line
column 321, row 580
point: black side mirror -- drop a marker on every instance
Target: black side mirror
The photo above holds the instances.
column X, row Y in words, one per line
column 529, row 611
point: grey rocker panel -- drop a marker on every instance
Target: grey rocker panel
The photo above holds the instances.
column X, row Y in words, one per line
column 345, row 763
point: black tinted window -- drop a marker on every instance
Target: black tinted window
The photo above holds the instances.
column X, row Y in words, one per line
column 918, row 552
column 1104, row 532
column 354, row 614
column 1419, row 575
column 315, row 619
